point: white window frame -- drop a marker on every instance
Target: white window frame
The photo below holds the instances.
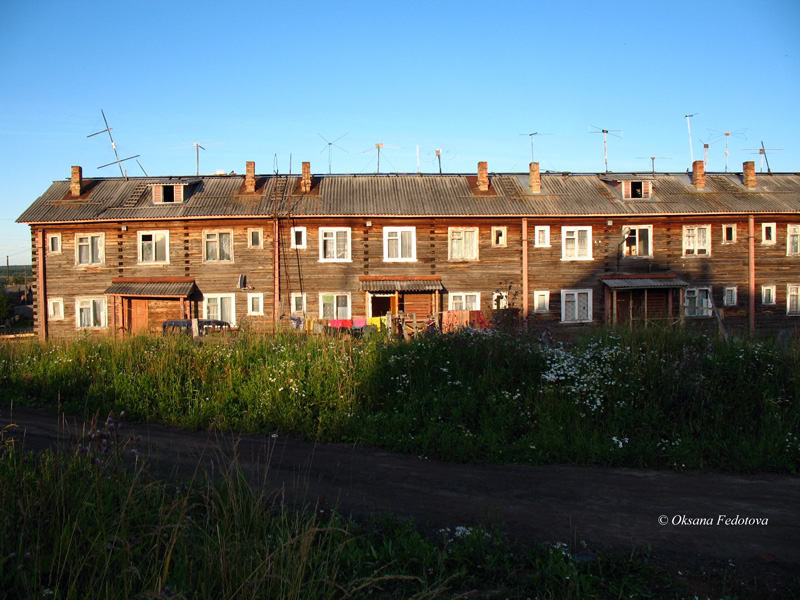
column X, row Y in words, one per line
column 213, row 235
column 218, row 297
column 388, row 232
column 773, row 234
column 697, row 310
column 260, row 232
column 92, row 302
column 50, row 238
column 335, row 295
column 303, row 242
column 177, row 193
column 55, row 309
column 539, row 232
column 573, row 233
column 335, row 231
column 730, row 295
column 101, row 249
column 793, row 298
column 725, row 239
column 294, row 296
column 544, row 295
column 634, row 231
column 696, row 250
column 793, row 240
column 260, row 310
column 454, row 298
column 769, row 295
column 469, row 254
column 503, row 235
column 140, row 247
column 564, row 296
column 499, row 300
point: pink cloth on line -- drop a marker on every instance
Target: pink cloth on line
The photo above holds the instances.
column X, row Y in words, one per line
column 335, row 323
column 359, row 322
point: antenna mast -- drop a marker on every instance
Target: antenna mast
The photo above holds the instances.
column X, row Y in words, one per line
column 689, row 126
column 329, row 146
column 113, row 147
column 762, row 152
column 531, row 136
column 605, row 133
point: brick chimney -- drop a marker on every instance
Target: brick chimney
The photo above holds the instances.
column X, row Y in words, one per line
column 305, row 182
column 483, row 176
column 749, row 174
column 699, row 175
column 76, row 182
column 535, row 178
column 250, row 177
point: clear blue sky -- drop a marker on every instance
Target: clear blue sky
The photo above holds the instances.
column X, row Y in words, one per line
column 260, row 80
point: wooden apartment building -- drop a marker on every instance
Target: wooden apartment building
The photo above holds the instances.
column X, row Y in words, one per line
column 122, row 255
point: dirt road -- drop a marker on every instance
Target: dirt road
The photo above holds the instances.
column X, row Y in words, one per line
column 688, row 519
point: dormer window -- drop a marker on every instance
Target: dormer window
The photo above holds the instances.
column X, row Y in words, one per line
column 167, row 194
column 637, row 189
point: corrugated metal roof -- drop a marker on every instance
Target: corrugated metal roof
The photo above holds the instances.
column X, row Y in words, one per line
column 181, row 289
column 643, row 283
column 401, row 285
column 563, row 194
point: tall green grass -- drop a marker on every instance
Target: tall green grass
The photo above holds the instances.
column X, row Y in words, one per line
column 664, row 398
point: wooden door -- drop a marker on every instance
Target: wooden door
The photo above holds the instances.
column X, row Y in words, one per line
column 137, row 315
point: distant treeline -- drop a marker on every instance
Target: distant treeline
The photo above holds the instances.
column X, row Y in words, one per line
column 16, row 274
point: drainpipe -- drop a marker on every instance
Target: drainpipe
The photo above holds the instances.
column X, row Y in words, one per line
column 751, row 263
column 525, row 269
column 276, row 284
column 41, row 286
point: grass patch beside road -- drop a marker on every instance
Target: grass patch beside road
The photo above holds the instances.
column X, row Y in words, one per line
column 648, row 398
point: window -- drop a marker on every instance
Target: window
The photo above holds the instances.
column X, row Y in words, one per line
column 55, row 309
column 89, row 249
column 90, row 312
column 576, row 243
column 298, row 303
column 576, row 306
column 499, row 237
column 730, row 296
column 465, row 301
column 334, row 244
column 793, row 240
column 768, row 294
column 54, row 243
column 167, row 194
column 638, row 241
column 255, row 304
column 541, row 237
column 153, row 246
column 499, row 300
column 399, row 244
column 255, row 238
column 218, row 246
column 298, row 238
column 334, row 306
column 697, row 301
column 637, row 189
column 696, row 240
column 729, row 234
column 541, row 302
column 768, row 233
column 793, row 299
column 463, row 243
column 220, row 307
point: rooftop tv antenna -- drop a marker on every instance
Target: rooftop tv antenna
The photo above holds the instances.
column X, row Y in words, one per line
column 652, row 159
column 763, row 153
column 437, row 155
column 739, row 134
column 531, row 135
column 689, row 126
column 378, row 147
column 605, row 133
column 197, row 147
column 113, row 147
column 705, row 152
column 329, row 146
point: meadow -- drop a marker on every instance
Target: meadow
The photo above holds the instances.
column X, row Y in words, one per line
column 92, row 521
column 653, row 398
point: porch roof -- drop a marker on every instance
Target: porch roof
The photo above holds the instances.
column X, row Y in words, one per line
column 633, row 282
column 151, row 288
column 401, row 284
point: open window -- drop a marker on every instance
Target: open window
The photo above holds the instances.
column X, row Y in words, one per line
column 168, row 193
